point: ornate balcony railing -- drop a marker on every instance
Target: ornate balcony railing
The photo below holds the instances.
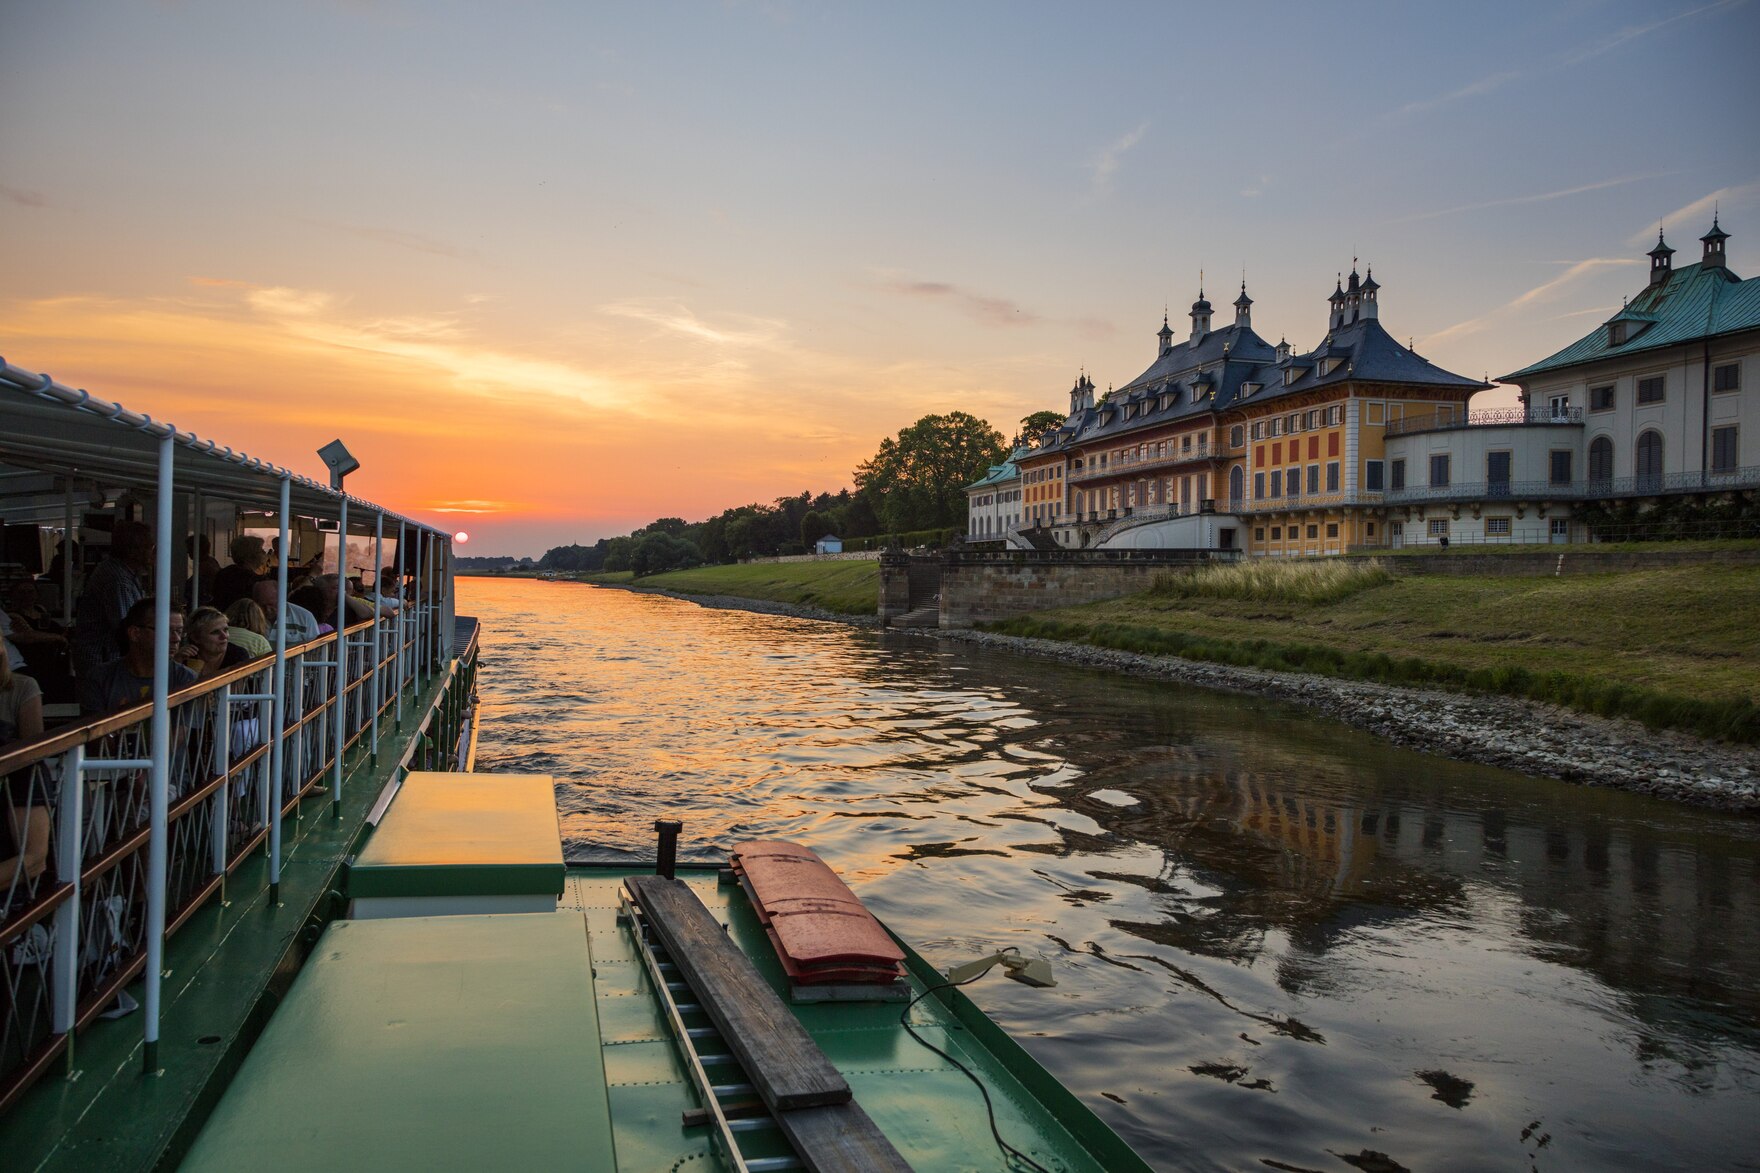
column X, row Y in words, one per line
column 1441, row 421
column 1134, row 467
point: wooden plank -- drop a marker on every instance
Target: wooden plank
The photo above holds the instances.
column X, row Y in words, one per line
column 781, row 1059
column 840, row 1138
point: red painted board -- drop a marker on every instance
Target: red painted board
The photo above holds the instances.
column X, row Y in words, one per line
column 816, row 919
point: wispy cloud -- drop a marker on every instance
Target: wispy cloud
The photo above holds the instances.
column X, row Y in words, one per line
column 398, row 238
column 1544, row 291
column 1257, row 189
column 1735, row 196
column 1105, row 164
column 23, row 197
column 677, row 318
column 1618, row 37
column 1471, row 90
column 991, row 311
column 1539, row 197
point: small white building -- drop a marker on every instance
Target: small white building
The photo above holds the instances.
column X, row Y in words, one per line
column 829, row 544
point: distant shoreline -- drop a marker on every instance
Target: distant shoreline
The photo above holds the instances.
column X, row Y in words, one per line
column 1506, row 732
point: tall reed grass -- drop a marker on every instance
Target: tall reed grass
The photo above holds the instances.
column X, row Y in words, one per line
column 1269, row 580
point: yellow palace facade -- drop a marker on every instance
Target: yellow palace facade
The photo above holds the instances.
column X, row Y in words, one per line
column 1227, row 441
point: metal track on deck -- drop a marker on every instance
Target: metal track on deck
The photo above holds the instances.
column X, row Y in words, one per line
column 753, row 1117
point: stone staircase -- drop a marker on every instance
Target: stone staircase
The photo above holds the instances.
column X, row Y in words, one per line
column 929, row 616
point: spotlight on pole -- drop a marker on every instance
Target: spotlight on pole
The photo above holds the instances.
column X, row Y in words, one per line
column 338, row 459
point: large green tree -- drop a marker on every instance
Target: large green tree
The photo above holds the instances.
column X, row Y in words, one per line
column 918, row 478
column 1036, row 425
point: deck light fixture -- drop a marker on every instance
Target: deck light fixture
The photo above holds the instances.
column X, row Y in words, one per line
column 340, row 462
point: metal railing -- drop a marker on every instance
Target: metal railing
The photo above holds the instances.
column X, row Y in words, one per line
column 73, row 924
column 1445, row 420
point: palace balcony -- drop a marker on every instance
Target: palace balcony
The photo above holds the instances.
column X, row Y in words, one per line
column 1440, row 421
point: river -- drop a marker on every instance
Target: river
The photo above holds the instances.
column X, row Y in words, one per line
column 1279, row 943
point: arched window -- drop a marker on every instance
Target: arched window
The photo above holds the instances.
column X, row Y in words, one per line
column 1601, row 459
column 1237, row 486
column 1648, row 465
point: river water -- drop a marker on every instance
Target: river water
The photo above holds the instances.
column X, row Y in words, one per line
column 1279, row 943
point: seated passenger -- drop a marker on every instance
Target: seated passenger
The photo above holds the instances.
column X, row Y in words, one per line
column 209, row 570
column 248, row 628
column 302, row 625
column 207, row 650
column 128, row 681
column 24, row 823
column 250, row 562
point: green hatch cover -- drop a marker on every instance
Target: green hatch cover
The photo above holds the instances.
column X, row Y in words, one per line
column 425, row 1043
column 464, row 835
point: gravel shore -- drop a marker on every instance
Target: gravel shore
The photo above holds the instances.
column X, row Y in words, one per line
column 1515, row 734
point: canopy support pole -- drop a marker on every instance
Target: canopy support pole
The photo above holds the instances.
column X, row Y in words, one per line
column 378, row 625
column 277, row 750
column 341, row 660
column 160, row 785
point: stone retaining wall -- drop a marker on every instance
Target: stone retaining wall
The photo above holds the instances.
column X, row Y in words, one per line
column 846, row 556
column 980, row 592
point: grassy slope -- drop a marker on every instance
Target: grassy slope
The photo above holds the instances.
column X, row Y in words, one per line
column 1692, row 632
column 847, row 588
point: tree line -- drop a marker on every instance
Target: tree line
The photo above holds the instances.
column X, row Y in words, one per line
column 915, row 481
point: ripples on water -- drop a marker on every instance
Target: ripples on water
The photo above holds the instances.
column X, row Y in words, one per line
column 1279, row 943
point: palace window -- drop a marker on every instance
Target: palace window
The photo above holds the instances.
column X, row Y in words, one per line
column 1601, row 459
column 1332, row 529
column 1277, row 533
column 1439, row 527
column 1497, row 527
column 1332, row 476
column 1396, row 471
column 1372, row 475
column 1335, row 415
column 1277, row 482
column 1369, row 529
column 1601, row 399
column 1559, row 467
column 1313, row 420
column 1648, row 463
column 1258, row 429
column 1237, row 436
column 1313, row 480
column 1651, row 390
column 1313, row 531
column 1258, row 533
column 1723, row 449
column 1277, row 427
column 1292, row 422
column 1258, row 485
column 1727, row 377
column 1439, row 470
column 1616, row 334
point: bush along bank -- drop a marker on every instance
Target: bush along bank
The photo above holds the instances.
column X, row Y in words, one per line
column 1735, row 720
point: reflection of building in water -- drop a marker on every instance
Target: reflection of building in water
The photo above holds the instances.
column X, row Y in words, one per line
column 1649, row 908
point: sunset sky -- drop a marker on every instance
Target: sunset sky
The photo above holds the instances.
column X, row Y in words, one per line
column 554, row 270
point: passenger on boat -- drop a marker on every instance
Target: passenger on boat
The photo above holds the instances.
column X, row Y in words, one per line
column 24, row 823
column 25, row 607
column 202, row 584
column 114, row 587
column 302, row 625
column 208, row 651
column 248, row 628
column 250, row 562
column 128, row 681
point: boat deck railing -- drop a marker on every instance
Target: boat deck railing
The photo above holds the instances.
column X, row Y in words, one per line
column 74, row 935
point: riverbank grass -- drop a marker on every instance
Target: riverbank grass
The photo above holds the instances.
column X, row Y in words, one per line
column 841, row 587
column 1674, row 648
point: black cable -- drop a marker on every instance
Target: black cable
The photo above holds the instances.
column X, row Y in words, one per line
column 1009, row 1152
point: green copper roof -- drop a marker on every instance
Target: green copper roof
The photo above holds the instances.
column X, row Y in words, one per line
column 464, row 835
column 1696, row 301
column 455, row 1042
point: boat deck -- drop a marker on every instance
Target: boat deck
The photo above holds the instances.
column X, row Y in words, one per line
column 225, row 970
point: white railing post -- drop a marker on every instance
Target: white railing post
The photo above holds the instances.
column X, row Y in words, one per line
column 158, row 841
column 341, row 659
column 278, row 722
column 69, row 862
column 378, row 625
column 222, row 767
column 403, row 610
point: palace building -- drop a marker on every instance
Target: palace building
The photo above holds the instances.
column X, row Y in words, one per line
column 1227, row 441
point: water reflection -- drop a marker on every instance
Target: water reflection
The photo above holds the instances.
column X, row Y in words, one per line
column 1278, row 940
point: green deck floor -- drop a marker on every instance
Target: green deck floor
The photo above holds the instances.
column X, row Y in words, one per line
column 225, row 969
